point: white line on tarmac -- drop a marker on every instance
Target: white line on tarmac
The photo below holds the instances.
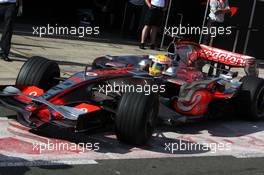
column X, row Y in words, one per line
column 26, row 163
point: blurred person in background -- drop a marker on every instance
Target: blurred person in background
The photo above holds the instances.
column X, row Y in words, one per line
column 216, row 18
column 153, row 21
column 104, row 10
column 134, row 11
column 9, row 9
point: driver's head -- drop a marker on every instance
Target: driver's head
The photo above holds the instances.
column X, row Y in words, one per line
column 160, row 63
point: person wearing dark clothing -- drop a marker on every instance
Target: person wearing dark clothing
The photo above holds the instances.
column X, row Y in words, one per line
column 153, row 21
column 218, row 9
column 105, row 11
column 216, row 18
column 134, row 11
column 9, row 9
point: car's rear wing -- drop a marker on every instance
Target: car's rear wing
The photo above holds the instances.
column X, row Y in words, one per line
column 192, row 52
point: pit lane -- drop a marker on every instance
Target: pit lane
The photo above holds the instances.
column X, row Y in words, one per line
column 228, row 136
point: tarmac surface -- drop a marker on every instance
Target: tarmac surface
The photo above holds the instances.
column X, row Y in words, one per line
column 228, row 145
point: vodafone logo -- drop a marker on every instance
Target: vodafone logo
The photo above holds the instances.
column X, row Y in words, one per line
column 34, row 94
column 223, row 56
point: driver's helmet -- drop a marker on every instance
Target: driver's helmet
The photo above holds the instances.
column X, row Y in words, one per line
column 160, row 63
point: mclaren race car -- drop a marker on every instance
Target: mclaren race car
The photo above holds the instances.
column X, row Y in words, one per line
column 130, row 90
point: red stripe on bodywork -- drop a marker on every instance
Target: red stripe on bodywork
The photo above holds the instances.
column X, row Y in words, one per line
column 87, row 107
column 31, row 91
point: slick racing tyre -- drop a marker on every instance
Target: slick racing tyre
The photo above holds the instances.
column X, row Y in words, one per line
column 40, row 72
column 136, row 117
column 251, row 97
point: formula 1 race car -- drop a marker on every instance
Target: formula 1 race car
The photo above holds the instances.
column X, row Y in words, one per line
column 42, row 97
column 193, row 90
column 130, row 90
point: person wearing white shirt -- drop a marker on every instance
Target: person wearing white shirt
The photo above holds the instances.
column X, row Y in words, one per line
column 218, row 10
column 158, row 3
column 9, row 9
column 216, row 18
column 153, row 20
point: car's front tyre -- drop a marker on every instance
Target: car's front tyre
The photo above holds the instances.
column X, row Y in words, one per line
column 136, row 117
column 40, row 72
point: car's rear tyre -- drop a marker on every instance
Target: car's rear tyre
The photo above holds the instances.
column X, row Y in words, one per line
column 40, row 72
column 251, row 98
column 136, row 117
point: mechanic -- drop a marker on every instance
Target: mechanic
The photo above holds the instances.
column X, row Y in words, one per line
column 218, row 10
column 153, row 20
column 8, row 9
column 134, row 9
